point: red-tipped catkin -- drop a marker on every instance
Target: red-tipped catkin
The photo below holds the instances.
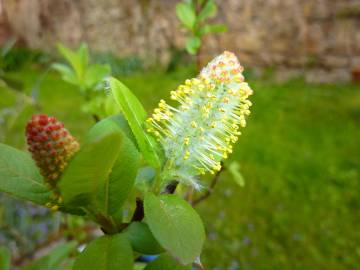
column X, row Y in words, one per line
column 51, row 146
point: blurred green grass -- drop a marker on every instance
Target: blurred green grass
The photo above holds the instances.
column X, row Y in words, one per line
column 300, row 156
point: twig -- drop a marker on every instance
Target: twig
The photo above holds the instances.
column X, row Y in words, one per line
column 171, row 187
column 211, row 188
column 139, row 211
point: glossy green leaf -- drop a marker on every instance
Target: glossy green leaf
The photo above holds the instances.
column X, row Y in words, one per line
column 5, row 257
column 88, row 171
column 109, row 252
column 122, row 177
column 208, row 11
column 54, row 259
column 142, row 240
column 166, row 262
column 135, row 115
column 121, row 123
column 186, row 14
column 234, row 169
column 176, row 226
column 193, row 44
column 20, row 177
column 213, row 28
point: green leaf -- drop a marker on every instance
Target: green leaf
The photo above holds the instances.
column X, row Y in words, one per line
column 166, row 262
column 94, row 74
column 122, row 177
column 135, row 114
column 176, row 225
column 88, row 171
column 234, row 169
column 83, row 54
column 139, row 266
column 209, row 10
column 144, row 178
column 193, row 44
column 186, row 14
column 67, row 74
column 213, row 28
column 53, row 259
column 121, row 123
column 20, row 177
column 5, row 257
column 74, row 59
column 109, row 252
column 142, row 240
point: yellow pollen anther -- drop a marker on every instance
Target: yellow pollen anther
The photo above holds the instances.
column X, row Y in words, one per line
column 187, row 155
column 187, row 141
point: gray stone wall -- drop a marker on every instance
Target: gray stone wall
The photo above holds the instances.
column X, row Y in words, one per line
column 292, row 35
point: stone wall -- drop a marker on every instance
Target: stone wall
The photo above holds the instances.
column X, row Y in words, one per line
column 293, row 35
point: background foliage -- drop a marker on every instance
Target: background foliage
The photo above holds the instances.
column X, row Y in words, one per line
column 299, row 156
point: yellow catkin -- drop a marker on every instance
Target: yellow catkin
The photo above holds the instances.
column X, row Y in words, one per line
column 199, row 133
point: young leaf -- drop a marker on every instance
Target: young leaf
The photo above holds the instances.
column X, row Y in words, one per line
column 53, row 259
column 213, row 28
column 95, row 74
column 135, row 115
column 176, row 225
column 165, row 262
column 108, row 252
column 234, row 169
column 186, row 14
column 83, row 54
column 67, row 74
column 5, row 257
column 193, row 44
column 88, row 170
column 142, row 240
column 74, row 59
column 20, row 177
column 208, row 11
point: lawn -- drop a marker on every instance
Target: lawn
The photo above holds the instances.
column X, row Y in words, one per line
column 299, row 155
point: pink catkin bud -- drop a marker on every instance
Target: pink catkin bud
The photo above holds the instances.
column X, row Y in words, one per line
column 51, row 146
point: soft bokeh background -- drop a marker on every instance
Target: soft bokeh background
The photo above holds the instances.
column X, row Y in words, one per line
column 299, row 154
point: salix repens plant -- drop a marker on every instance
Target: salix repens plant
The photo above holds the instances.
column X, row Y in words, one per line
column 131, row 153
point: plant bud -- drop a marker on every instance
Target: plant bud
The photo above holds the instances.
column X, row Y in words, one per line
column 51, row 146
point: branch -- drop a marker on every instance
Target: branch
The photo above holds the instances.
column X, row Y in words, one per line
column 211, row 188
column 139, row 211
